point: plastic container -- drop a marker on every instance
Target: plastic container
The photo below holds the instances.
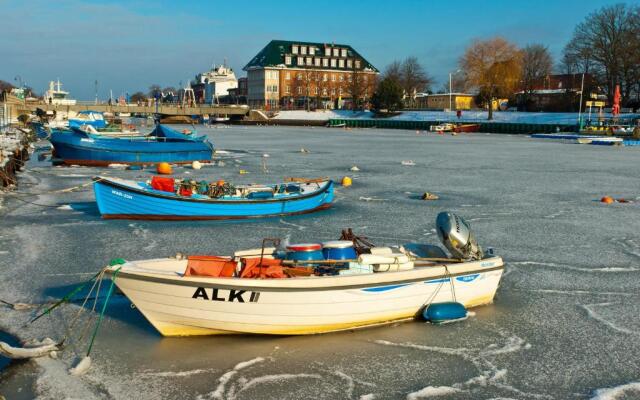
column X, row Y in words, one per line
column 304, row 252
column 339, row 250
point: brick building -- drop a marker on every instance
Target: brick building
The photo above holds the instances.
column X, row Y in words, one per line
column 289, row 75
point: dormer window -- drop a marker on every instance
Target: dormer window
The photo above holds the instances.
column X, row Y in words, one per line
column 300, row 60
column 325, row 62
column 341, row 63
column 312, row 50
column 333, row 63
column 327, row 51
column 303, row 49
column 336, row 52
column 349, row 63
column 287, row 60
column 343, row 52
column 316, row 62
column 294, row 49
column 309, row 61
column 358, row 64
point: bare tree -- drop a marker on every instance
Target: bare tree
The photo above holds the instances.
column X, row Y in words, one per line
column 536, row 65
column 414, row 78
column 393, row 71
column 606, row 44
column 493, row 67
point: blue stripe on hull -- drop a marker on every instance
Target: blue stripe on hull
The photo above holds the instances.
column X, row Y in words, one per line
column 119, row 201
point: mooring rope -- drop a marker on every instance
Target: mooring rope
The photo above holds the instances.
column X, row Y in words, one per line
column 104, row 308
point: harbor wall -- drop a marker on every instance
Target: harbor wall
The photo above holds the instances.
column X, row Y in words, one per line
column 488, row 127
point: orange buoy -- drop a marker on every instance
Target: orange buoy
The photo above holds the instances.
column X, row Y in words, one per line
column 220, row 182
column 607, row 200
column 346, row 181
column 164, row 168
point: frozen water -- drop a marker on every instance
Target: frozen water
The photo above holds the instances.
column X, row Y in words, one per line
column 565, row 323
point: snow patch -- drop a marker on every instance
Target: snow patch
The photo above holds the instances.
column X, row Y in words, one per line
column 433, row 391
column 616, row 392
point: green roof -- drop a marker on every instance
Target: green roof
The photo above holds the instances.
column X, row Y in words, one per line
column 272, row 55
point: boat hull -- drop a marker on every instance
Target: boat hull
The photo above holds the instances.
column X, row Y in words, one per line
column 117, row 201
column 74, row 148
column 185, row 306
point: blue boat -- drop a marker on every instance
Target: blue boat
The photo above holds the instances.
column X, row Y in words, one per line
column 126, row 199
column 88, row 117
column 74, row 146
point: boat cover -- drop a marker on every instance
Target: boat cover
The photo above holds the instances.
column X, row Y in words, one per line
column 162, row 184
column 213, row 266
column 268, row 268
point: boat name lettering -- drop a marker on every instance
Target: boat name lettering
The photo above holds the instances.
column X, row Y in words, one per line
column 87, row 140
column 487, row 264
column 234, row 295
column 126, row 196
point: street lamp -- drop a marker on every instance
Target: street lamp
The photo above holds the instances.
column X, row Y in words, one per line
column 450, row 75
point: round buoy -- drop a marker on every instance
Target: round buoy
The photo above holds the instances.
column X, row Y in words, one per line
column 164, row 168
column 346, row 181
column 196, row 165
column 243, row 172
column 607, row 200
column 220, row 182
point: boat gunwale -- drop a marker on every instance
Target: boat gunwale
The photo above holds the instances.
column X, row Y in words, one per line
column 320, row 191
column 249, row 284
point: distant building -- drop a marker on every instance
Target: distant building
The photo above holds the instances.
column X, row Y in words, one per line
column 239, row 94
column 560, row 92
column 213, row 86
column 287, row 74
column 441, row 101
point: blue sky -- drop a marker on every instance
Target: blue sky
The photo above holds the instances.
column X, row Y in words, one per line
column 129, row 45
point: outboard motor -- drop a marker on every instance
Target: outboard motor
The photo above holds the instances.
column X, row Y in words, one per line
column 456, row 235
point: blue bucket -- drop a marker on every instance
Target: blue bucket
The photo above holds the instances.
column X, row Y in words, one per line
column 339, row 250
column 304, row 252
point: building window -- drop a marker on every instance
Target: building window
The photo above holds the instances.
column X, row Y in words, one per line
column 349, row 63
column 341, row 78
column 299, row 76
column 349, row 78
column 316, row 90
column 303, row 49
column 316, row 61
column 341, row 63
column 336, row 52
column 294, row 49
column 288, row 89
column 340, row 91
column 287, row 76
column 333, row 77
column 299, row 89
column 343, row 52
column 325, row 62
column 333, row 63
column 324, row 92
column 287, row 60
column 325, row 77
column 300, row 60
column 312, row 50
column 327, row 51
column 358, row 64
column 309, row 61
column 333, row 92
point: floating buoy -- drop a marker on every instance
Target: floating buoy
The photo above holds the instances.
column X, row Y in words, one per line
column 196, row 165
column 354, row 168
column 429, row 196
column 303, row 150
column 346, row 181
column 243, row 172
column 220, row 182
column 607, row 200
column 164, row 168
column 439, row 313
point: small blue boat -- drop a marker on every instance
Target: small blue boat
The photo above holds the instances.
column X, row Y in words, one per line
column 126, row 199
column 88, row 117
column 74, row 146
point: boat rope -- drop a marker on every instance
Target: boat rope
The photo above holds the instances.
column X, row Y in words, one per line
column 104, row 308
column 453, row 289
column 66, row 298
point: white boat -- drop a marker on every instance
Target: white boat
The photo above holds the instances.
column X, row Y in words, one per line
column 55, row 95
column 127, row 131
column 177, row 303
column 442, row 128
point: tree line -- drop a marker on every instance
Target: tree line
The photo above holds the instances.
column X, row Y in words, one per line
column 605, row 46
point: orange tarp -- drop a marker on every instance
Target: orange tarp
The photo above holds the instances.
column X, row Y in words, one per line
column 212, row 266
column 269, row 268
